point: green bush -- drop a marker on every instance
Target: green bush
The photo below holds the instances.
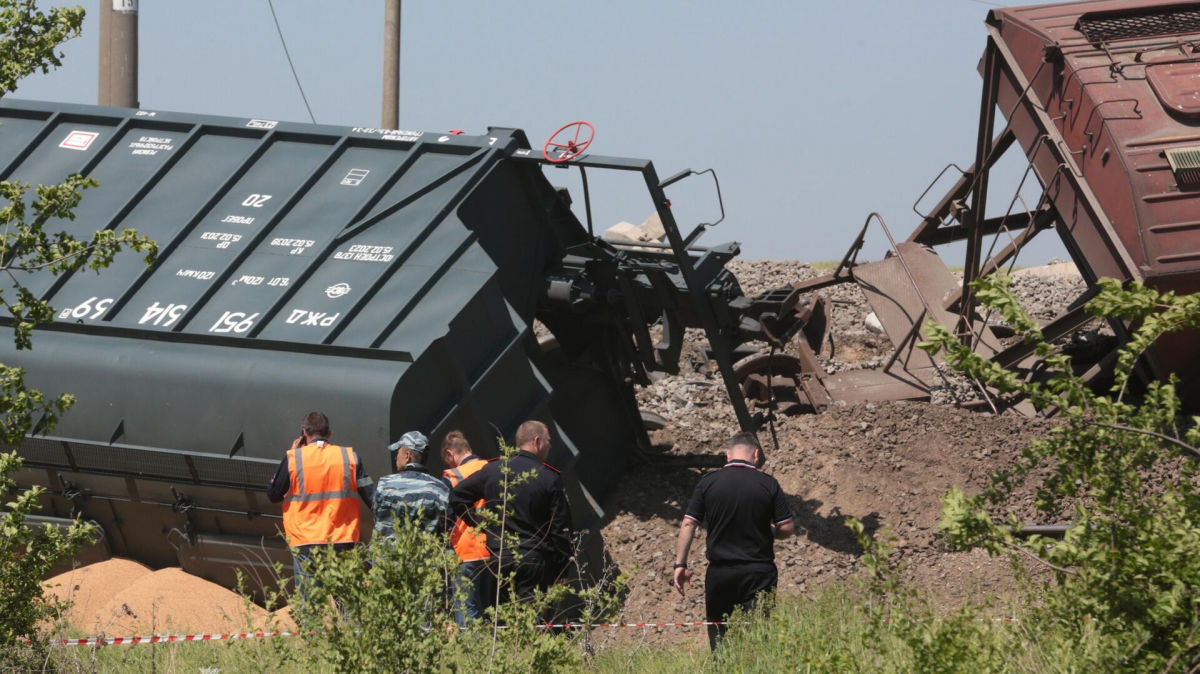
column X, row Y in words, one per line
column 383, row 606
column 1126, row 573
column 27, row 553
column 388, row 606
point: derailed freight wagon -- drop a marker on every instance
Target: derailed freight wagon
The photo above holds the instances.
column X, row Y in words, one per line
column 1102, row 99
column 388, row 278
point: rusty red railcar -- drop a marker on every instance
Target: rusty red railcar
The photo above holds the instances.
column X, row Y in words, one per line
column 1103, row 98
column 1120, row 82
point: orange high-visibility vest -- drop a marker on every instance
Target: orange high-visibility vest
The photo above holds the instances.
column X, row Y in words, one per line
column 321, row 505
column 469, row 543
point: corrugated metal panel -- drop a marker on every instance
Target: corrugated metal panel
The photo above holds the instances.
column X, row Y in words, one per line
column 388, row 279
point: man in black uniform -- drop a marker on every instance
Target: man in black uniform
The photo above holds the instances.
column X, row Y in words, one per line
column 535, row 512
column 743, row 511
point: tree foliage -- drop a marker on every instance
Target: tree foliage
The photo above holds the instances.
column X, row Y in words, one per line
column 31, row 240
column 27, row 553
column 30, row 236
column 30, row 40
column 1123, row 466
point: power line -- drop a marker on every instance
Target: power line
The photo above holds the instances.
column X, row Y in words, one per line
column 291, row 65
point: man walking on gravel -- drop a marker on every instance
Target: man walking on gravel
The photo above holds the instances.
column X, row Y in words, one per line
column 743, row 511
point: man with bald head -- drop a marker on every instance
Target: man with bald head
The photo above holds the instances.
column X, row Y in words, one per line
column 744, row 511
column 530, row 495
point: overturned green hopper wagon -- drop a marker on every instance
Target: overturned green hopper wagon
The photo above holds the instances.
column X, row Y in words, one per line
column 388, row 278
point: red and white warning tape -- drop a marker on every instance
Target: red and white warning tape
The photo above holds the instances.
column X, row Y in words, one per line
column 167, row 638
column 579, row 626
column 230, row 636
column 172, row 638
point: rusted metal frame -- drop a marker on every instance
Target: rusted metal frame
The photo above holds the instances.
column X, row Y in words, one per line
column 812, row 378
column 1053, row 139
column 937, row 216
column 909, row 336
column 851, row 256
column 974, row 215
column 975, row 226
column 944, row 235
column 820, row 282
column 904, row 265
column 1032, row 227
column 1027, row 216
column 961, row 189
column 1036, row 223
column 849, row 260
column 1075, row 318
column 1055, row 142
column 926, row 308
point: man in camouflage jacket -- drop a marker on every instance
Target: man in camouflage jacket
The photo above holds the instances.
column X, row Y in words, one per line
column 412, row 496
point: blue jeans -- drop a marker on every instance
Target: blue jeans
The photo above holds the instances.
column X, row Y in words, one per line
column 302, row 558
column 468, row 606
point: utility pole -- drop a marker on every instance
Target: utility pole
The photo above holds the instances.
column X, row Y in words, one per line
column 391, row 64
column 118, row 53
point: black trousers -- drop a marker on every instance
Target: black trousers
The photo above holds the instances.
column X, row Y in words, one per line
column 530, row 575
column 728, row 586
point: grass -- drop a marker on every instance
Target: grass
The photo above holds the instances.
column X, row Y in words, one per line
column 830, row 630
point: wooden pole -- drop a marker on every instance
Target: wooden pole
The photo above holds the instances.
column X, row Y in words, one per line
column 118, row 85
column 391, row 64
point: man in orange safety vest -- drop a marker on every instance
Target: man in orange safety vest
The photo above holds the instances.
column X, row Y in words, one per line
column 318, row 483
column 469, row 543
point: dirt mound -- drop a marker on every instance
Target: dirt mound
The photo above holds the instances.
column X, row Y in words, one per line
column 90, row 588
column 123, row 598
column 887, row 464
column 176, row 601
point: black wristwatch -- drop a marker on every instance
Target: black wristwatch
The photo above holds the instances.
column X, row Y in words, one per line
column 681, row 566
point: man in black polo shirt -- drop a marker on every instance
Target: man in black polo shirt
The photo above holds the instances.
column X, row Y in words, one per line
column 743, row 510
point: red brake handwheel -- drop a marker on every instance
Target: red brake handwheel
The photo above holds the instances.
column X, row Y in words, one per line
column 568, row 142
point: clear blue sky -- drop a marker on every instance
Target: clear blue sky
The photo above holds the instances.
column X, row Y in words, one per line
column 813, row 114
